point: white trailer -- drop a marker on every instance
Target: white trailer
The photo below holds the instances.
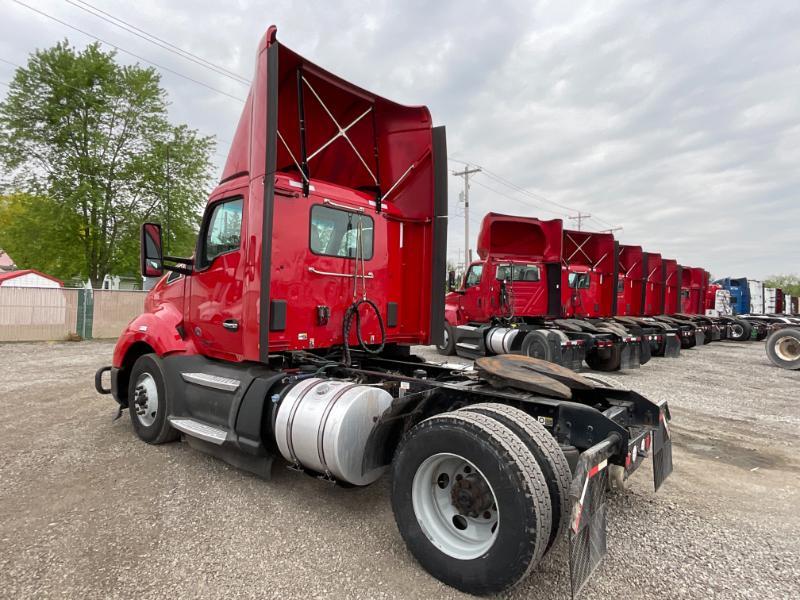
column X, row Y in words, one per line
column 756, row 297
column 770, row 296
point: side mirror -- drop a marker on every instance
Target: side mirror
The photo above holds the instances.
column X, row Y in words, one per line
column 151, row 253
column 451, row 281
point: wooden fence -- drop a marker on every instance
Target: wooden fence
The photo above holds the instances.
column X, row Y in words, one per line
column 35, row 314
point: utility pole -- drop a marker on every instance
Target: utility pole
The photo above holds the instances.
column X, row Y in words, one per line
column 579, row 218
column 612, row 230
column 465, row 174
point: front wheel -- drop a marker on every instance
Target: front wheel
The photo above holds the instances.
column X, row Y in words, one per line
column 471, row 502
column 448, row 345
column 147, row 402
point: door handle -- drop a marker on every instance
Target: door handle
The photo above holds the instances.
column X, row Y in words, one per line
column 231, row 324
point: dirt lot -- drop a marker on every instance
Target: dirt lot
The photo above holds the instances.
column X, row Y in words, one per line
column 88, row 511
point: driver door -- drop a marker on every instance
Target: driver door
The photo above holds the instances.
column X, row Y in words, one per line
column 473, row 304
column 215, row 303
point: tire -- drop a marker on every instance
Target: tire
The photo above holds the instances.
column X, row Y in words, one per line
column 783, row 348
column 448, row 346
column 517, row 490
column 545, row 448
column 535, row 345
column 151, row 426
column 612, row 363
column 740, row 330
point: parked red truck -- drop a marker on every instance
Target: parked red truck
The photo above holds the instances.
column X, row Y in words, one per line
column 518, row 298
column 639, row 298
column 320, row 261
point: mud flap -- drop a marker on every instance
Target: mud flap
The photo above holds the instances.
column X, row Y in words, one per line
column 629, row 356
column 571, row 357
column 644, row 351
column 700, row 336
column 673, row 345
column 662, row 450
column 587, row 531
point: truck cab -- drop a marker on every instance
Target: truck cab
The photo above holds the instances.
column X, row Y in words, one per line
column 495, row 287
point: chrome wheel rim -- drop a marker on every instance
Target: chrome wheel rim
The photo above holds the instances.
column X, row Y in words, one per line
column 145, row 400
column 455, row 506
column 445, row 339
column 737, row 330
column 787, row 348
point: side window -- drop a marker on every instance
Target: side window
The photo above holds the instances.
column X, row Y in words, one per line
column 341, row 233
column 517, row 273
column 578, row 281
column 473, row 277
column 224, row 231
column 620, row 285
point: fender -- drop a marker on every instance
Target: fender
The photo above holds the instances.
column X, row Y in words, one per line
column 159, row 329
column 452, row 307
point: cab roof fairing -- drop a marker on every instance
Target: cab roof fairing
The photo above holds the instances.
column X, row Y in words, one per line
column 654, row 270
column 353, row 138
column 590, row 249
column 521, row 238
column 631, row 263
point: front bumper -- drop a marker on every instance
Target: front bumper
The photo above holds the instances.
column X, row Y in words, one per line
column 114, row 387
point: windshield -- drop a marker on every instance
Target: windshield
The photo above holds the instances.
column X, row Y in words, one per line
column 579, row 281
column 517, row 273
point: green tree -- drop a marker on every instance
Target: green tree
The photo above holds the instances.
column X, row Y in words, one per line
column 39, row 234
column 790, row 284
column 92, row 137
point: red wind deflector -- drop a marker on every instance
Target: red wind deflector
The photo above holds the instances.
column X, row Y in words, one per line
column 507, row 236
column 590, row 249
column 630, row 262
column 331, row 130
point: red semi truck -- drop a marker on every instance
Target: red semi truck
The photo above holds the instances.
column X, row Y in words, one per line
column 319, row 263
column 639, row 297
column 516, row 299
column 590, row 296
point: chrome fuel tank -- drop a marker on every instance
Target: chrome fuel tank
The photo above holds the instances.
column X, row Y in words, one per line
column 324, row 425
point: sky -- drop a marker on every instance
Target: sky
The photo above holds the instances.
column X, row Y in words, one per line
column 677, row 121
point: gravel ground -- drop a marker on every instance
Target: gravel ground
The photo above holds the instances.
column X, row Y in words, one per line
column 88, row 511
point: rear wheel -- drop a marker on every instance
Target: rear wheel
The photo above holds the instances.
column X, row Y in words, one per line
column 740, row 330
column 544, row 447
column 448, row 345
column 535, row 345
column 783, row 348
column 470, row 501
column 147, row 401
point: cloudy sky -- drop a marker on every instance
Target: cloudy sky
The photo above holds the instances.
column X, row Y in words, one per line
column 678, row 121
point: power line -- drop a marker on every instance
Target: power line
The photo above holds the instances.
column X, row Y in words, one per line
column 163, row 68
column 510, row 197
column 161, row 43
column 500, row 179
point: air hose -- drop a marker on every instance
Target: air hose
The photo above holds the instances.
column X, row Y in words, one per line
column 352, row 313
